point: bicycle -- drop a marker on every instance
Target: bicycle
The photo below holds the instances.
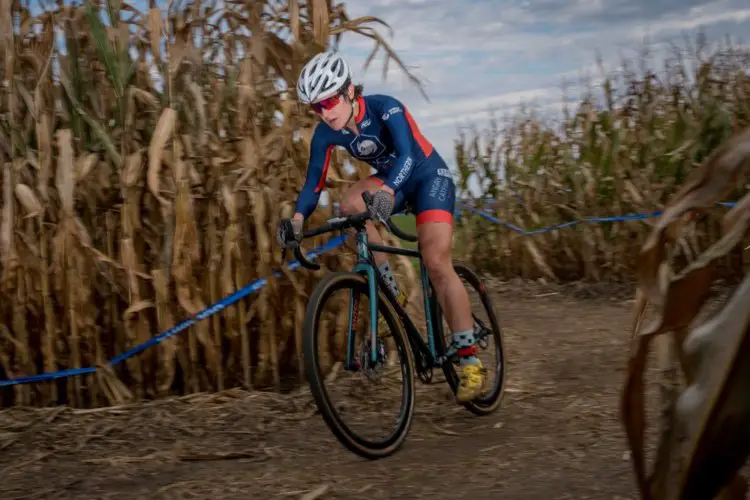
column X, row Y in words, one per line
column 365, row 278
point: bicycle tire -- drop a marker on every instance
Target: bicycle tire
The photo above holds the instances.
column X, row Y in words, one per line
column 369, row 449
column 490, row 403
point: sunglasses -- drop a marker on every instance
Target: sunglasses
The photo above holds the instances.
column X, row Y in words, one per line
column 328, row 104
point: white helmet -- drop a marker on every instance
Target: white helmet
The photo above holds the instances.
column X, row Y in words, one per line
column 322, row 77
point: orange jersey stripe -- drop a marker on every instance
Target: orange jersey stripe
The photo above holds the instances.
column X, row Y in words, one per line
column 326, row 164
column 361, row 111
column 436, row 215
column 421, row 140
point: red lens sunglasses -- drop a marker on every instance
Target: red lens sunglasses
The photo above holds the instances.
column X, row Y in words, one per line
column 329, row 104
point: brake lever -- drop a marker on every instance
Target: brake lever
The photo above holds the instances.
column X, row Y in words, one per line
column 367, row 197
column 286, row 229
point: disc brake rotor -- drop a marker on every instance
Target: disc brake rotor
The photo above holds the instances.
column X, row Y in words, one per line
column 372, row 371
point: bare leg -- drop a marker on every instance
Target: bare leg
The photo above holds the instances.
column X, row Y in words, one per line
column 435, row 239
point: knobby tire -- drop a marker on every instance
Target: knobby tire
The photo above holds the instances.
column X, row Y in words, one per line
column 488, row 404
column 365, row 448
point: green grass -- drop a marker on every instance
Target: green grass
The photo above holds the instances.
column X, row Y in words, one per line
column 408, row 224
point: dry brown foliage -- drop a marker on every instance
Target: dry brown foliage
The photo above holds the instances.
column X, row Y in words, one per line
column 705, row 436
column 626, row 148
column 147, row 158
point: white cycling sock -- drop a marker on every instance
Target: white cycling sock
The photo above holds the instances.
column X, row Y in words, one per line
column 385, row 270
column 465, row 342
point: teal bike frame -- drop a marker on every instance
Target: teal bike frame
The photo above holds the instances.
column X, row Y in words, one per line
column 427, row 355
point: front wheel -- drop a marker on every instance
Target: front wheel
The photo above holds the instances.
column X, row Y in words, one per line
column 336, row 332
column 488, row 327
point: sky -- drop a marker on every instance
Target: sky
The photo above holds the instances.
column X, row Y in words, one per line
column 481, row 55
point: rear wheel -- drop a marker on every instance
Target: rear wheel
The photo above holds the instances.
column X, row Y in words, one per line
column 490, row 342
column 350, row 315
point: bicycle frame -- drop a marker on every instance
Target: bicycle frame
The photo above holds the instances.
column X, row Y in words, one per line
column 425, row 352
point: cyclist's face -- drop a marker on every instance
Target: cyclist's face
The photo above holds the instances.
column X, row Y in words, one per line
column 335, row 111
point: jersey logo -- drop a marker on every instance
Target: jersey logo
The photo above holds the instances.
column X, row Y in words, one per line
column 367, row 146
column 404, row 172
column 391, row 112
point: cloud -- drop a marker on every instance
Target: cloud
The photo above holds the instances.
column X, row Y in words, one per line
column 477, row 55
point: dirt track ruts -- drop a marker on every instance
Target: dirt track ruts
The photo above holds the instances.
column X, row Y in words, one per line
column 557, row 434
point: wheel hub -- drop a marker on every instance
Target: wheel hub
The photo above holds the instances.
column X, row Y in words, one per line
column 372, row 370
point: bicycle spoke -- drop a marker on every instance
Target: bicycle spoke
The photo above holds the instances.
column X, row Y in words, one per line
column 489, row 342
column 369, row 404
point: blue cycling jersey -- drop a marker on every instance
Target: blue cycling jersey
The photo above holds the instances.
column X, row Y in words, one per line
column 389, row 141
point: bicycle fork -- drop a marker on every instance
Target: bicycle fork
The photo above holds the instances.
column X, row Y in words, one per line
column 351, row 361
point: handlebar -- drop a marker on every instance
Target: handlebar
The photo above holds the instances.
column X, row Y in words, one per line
column 341, row 223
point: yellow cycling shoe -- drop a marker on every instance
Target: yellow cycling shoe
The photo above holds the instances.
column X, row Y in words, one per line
column 471, row 382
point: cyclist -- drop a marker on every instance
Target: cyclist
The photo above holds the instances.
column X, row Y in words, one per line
column 379, row 130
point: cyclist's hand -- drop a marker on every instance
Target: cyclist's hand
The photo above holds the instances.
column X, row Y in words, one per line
column 283, row 236
column 382, row 205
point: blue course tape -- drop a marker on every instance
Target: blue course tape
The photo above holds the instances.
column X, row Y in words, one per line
column 47, row 376
column 257, row 285
column 209, row 311
column 616, row 218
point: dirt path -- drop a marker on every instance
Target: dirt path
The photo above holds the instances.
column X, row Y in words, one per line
column 557, row 434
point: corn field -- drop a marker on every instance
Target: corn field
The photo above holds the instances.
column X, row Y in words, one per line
column 149, row 155
column 627, row 146
column 147, row 160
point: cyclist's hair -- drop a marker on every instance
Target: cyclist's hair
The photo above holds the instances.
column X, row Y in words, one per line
column 357, row 89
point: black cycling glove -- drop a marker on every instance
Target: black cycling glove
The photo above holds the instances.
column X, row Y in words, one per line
column 296, row 227
column 382, row 205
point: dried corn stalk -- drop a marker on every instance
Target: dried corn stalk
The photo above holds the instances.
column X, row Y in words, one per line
column 705, row 439
column 623, row 146
column 144, row 182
